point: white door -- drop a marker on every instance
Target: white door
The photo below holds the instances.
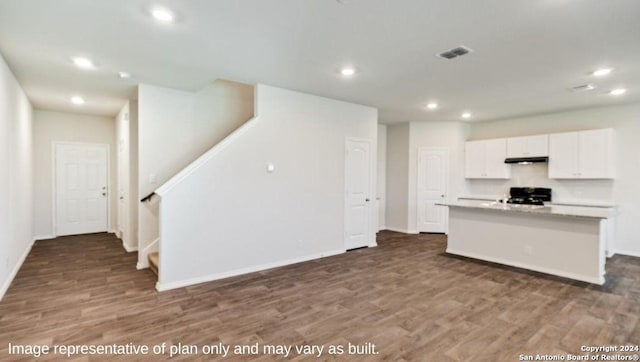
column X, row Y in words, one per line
column 433, row 169
column 81, row 188
column 122, row 215
column 358, row 194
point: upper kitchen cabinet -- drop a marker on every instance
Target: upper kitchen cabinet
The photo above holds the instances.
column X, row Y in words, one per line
column 529, row 146
column 485, row 159
column 582, row 155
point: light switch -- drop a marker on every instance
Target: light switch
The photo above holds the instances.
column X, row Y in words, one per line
column 153, row 178
column 271, row 167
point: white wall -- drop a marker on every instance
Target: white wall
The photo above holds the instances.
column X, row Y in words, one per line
column 622, row 191
column 48, row 127
column 449, row 135
column 16, row 178
column 382, row 176
column 397, row 177
column 175, row 128
column 230, row 216
column 128, row 200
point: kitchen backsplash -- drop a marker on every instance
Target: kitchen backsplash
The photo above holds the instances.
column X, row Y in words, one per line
column 569, row 191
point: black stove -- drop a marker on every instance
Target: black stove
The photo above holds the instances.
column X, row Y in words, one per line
column 529, row 195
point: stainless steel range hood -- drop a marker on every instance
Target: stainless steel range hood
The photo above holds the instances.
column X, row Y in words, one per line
column 527, row 160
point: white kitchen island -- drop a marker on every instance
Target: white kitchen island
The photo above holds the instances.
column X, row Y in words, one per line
column 566, row 241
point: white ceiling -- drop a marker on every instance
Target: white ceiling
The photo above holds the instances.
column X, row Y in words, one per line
column 526, row 52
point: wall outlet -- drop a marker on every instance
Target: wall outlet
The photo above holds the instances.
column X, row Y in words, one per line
column 271, row 167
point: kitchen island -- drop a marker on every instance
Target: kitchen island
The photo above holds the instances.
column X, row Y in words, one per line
column 567, row 241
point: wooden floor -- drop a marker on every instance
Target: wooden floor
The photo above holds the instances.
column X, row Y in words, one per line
column 414, row 302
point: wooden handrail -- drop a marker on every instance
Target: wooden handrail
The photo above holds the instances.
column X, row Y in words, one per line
column 148, row 197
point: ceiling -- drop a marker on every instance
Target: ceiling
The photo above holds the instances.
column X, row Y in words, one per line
column 527, row 53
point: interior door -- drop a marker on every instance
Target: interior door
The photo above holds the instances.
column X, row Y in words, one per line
column 122, row 217
column 81, row 188
column 358, row 194
column 433, row 169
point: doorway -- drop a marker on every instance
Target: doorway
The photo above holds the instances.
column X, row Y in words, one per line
column 433, row 179
column 358, row 194
column 81, row 174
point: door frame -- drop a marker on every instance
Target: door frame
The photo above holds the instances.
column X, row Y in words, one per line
column 54, row 191
column 372, row 184
column 447, row 178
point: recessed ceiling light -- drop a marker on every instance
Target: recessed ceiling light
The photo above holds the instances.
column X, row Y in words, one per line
column 163, row 15
column 618, row 92
column 83, row 63
column 124, row 75
column 432, row 105
column 348, row 71
column 77, row 100
column 602, row 72
column 466, row 115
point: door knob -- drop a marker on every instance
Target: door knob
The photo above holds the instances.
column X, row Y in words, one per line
column 367, row 199
column 104, row 194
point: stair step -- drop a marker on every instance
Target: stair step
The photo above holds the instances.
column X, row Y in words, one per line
column 154, row 261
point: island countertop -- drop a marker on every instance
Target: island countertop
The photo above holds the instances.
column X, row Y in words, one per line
column 555, row 210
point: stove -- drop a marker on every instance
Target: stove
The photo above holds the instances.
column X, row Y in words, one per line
column 529, row 195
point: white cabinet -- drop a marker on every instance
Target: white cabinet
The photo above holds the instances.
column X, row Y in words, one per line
column 583, row 154
column 529, row 146
column 485, row 159
column 475, row 164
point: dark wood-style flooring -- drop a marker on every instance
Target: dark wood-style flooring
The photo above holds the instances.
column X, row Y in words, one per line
column 406, row 296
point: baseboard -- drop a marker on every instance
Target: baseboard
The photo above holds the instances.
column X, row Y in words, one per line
column 404, row 231
column 15, row 270
column 44, row 237
column 141, row 266
column 129, row 249
column 161, row 287
column 560, row 273
column 626, row 252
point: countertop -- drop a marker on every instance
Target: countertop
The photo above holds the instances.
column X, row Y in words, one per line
column 557, row 210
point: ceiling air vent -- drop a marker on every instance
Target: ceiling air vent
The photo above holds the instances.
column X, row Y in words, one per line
column 583, row 88
column 455, row 52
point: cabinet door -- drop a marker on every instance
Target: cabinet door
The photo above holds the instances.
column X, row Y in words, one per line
column 538, row 146
column 517, row 147
column 595, row 154
column 563, row 155
column 474, row 155
column 529, row 146
column 495, row 154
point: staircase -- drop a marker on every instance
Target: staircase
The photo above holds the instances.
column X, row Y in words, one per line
column 209, row 119
column 154, row 261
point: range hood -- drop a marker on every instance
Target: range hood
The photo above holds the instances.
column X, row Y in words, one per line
column 527, row 160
